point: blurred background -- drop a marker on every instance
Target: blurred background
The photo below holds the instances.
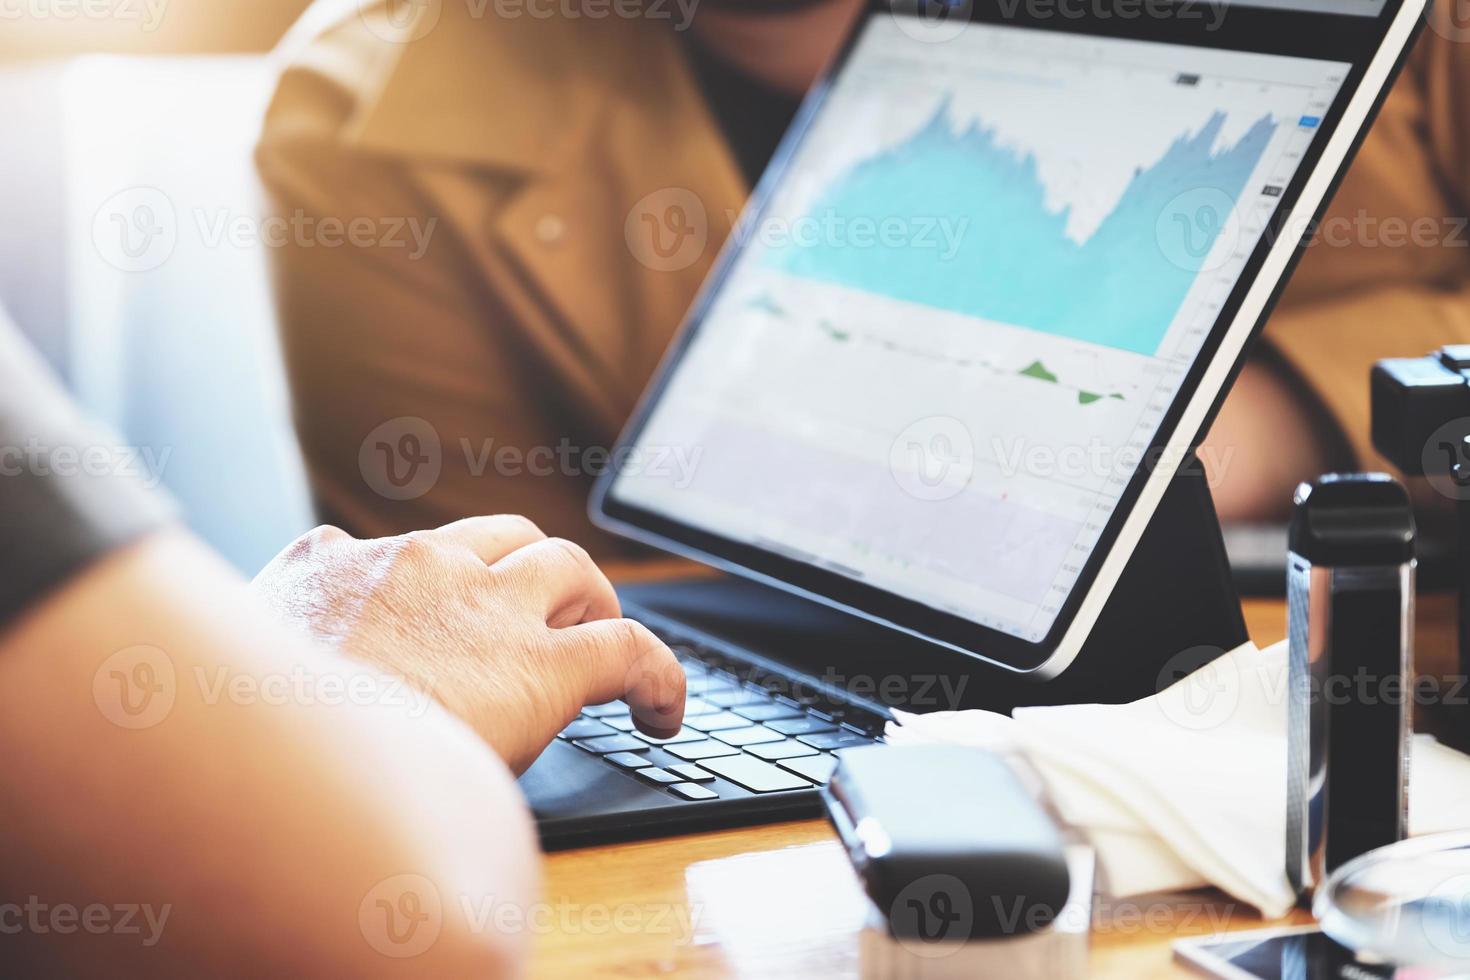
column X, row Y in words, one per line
column 128, row 131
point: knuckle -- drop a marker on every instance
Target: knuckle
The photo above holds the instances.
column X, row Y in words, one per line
column 519, row 523
column 320, row 538
column 572, row 551
column 633, row 639
column 415, row 547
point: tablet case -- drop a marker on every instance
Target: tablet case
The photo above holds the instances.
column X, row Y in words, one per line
column 1174, row 609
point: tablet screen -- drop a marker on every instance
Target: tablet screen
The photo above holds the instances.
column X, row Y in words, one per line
column 949, row 339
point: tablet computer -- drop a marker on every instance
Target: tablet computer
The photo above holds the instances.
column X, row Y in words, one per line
column 987, row 297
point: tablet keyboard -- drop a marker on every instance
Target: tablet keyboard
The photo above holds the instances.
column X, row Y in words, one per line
column 747, row 730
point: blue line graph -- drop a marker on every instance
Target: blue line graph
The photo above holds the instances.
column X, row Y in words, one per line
column 1014, row 262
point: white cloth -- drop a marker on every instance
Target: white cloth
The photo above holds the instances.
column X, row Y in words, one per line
column 1186, row 788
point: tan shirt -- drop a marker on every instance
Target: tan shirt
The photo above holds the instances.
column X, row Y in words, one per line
column 540, row 156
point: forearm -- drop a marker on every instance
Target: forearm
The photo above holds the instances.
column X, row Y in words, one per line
column 262, row 808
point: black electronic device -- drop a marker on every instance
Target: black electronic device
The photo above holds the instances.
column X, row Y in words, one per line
column 946, row 836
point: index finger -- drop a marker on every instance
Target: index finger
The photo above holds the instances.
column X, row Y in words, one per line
column 620, row 658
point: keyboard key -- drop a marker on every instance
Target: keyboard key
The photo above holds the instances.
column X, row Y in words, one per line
column 710, row 684
column 695, row 751
column 827, row 741
column 866, row 724
column 698, row 706
column 718, row 722
column 585, row 728
column 623, row 723
column 611, row 743
column 828, row 711
column 755, row 775
column 739, row 696
column 789, row 749
column 753, row 735
column 692, row 792
column 603, row 710
column 767, row 712
column 627, row 760
column 802, row 726
column 662, row 776
column 692, row 773
column 685, row 735
column 817, row 768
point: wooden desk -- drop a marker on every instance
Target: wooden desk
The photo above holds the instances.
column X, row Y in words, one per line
column 782, row 901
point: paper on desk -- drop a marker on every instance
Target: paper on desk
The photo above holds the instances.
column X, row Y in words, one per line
column 1188, row 787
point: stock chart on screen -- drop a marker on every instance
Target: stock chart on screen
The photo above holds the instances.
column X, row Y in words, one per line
column 1115, row 287
column 971, row 300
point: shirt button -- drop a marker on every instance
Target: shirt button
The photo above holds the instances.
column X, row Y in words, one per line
column 550, row 229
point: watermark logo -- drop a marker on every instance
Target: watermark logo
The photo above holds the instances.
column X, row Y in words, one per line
column 1200, row 688
column 402, row 458
column 1190, row 229
column 933, row 459
column 147, row 14
column 400, row 21
column 932, row 21
column 1450, row 19
column 932, row 915
column 1446, row 918
column 1446, row 459
column 136, row 230
column 42, row 918
column 139, row 230
column 667, row 231
column 135, row 688
column 401, row 916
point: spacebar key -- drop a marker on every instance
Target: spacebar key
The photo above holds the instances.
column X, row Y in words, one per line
column 753, row 774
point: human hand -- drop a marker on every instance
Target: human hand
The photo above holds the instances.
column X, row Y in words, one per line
column 512, row 631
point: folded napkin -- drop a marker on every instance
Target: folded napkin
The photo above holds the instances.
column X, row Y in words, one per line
column 1186, row 788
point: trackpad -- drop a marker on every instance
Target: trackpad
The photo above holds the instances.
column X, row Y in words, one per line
column 567, row 783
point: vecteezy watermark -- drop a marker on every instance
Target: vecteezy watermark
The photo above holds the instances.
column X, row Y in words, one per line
column 1364, row 230
column 913, row 692
column 1445, row 461
column 136, row 230
column 147, row 14
column 135, row 688
column 933, row 458
column 932, row 915
column 675, row 464
column 1450, row 19
column 1211, row 13
column 1195, row 230
column 403, row 917
column 41, row 918
column 1446, row 919
column 299, row 686
column 932, row 21
column 222, row 227
column 1200, row 688
column 827, row 228
column 679, row 12
column 403, row 459
column 1097, row 460
column 139, row 229
column 667, row 230
column 407, row 21
column 35, row 458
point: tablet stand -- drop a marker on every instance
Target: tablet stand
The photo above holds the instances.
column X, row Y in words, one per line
column 1174, row 609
